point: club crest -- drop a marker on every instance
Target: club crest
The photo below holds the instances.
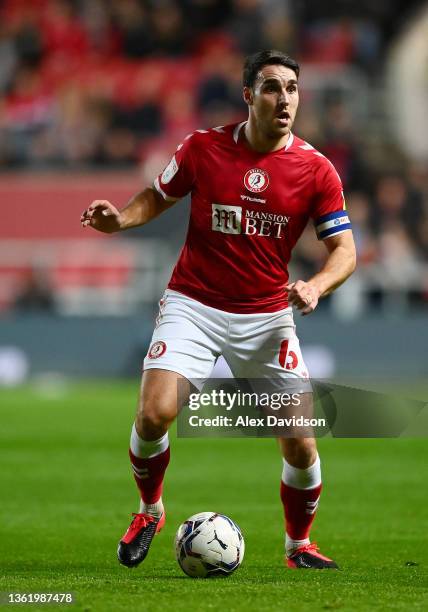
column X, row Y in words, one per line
column 156, row 350
column 256, row 180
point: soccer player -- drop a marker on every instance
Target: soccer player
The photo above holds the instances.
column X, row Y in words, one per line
column 254, row 187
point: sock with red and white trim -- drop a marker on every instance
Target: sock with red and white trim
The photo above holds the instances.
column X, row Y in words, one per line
column 300, row 493
column 149, row 460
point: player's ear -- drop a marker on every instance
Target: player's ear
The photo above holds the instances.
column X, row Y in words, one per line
column 248, row 95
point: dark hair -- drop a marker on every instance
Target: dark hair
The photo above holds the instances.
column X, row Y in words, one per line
column 255, row 62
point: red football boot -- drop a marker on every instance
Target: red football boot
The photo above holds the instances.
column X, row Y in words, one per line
column 308, row 557
column 135, row 544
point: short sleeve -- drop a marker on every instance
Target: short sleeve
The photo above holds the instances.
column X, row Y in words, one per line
column 329, row 209
column 178, row 177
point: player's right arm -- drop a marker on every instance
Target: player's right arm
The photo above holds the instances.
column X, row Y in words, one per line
column 171, row 185
column 144, row 206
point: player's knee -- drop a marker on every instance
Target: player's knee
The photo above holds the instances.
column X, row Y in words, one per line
column 300, row 452
column 154, row 415
column 155, row 420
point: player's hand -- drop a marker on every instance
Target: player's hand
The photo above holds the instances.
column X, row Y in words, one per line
column 102, row 216
column 303, row 295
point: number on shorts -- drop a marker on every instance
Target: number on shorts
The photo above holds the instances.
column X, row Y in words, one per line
column 287, row 359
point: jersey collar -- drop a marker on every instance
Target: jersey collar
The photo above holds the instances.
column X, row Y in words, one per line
column 238, row 128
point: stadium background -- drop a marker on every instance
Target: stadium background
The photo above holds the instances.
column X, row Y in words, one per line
column 95, row 95
column 94, row 98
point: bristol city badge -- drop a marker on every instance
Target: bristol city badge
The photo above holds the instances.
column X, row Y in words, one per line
column 256, row 180
column 156, row 350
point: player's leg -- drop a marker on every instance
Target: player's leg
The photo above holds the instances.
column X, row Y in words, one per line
column 300, row 493
column 162, row 394
column 300, row 489
column 268, row 351
column 184, row 348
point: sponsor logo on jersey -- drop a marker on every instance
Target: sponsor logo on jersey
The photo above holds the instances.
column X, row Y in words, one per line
column 170, row 171
column 229, row 220
column 226, row 219
column 256, row 180
column 156, row 350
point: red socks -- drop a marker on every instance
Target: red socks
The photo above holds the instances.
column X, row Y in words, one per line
column 299, row 509
column 300, row 493
column 149, row 460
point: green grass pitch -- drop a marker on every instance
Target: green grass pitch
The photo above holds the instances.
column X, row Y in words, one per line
column 67, row 494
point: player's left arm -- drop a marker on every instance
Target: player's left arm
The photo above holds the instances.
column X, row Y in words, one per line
column 339, row 266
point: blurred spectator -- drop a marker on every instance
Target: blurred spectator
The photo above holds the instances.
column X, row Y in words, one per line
column 330, row 42
column 168, row 28
column 24, row 114
column 367, row 44
column 203, row 15
column 27, row 39
column 132, row 21
column 179, row 113
column 35, row 294
column 279, row 27
column 98, row 23
column 219, row 91
column 399, row 265
column 396, row 204
column 340, row 143
column 8, row 58
column 63, row 31
column 246, row 25
column 358, row 205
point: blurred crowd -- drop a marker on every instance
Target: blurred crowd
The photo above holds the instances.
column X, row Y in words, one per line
column 101, row 82
column 118, row 83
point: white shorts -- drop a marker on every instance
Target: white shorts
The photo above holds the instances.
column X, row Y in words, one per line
column 189, row 337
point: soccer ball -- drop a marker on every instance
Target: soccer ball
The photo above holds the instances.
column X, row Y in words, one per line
column 209, row 544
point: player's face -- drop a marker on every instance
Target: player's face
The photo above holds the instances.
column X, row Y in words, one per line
column 273, row 101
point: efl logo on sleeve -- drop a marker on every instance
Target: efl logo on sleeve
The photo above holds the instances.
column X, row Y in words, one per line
column 170, row 171
column 256, row 180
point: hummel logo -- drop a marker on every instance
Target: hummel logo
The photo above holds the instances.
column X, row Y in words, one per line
column 250, row 199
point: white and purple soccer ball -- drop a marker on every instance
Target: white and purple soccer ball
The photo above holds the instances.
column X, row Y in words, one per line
column 209, row 544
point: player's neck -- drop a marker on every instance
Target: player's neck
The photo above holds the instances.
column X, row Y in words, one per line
column 259, row 142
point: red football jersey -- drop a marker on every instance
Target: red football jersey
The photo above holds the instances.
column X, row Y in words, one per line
column 248, row 210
